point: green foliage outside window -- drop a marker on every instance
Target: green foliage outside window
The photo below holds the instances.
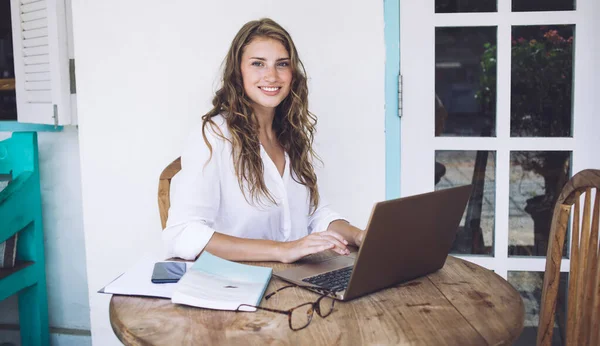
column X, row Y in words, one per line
column 541, row 106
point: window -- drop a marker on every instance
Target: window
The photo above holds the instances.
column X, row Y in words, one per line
column 8, row 99
column 38, row 68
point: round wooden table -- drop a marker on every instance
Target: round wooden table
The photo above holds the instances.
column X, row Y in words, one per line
column 461, row 304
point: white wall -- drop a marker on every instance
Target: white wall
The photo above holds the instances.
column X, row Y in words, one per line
column 146, row 71
column 64, row 240
column 587, row 102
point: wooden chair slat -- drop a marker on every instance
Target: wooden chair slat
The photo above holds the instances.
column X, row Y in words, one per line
column 583, row 315
column 552, row 275
column 173, row 168
column 595, row 330
column 583, row 280
column 574, row 273
column 164, row 201
column 594, row 306
column 164, row 190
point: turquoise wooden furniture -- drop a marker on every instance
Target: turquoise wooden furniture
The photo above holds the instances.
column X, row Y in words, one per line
column 21, row 211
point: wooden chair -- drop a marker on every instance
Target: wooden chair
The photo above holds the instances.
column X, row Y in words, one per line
column 583, row 310
column 21, row 212
column 164, row 190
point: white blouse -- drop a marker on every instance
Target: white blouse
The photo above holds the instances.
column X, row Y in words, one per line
column 206, row 197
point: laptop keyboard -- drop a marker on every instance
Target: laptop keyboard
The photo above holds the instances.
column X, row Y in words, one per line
column 336, row 280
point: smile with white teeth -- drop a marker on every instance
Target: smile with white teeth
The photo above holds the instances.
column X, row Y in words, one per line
column 270, row 88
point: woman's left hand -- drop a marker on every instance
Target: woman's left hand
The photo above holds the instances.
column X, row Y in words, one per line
column 352, row 234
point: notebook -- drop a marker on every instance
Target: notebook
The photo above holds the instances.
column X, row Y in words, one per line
column 215, row 283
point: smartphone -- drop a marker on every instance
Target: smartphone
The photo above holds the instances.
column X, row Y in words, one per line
column 168, row 272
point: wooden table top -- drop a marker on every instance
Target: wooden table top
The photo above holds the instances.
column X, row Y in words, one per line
column 461, row 304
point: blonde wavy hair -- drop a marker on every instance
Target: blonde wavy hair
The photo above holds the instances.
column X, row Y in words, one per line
column 293, row 124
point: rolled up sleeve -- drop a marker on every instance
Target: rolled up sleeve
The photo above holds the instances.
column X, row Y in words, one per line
column 319, row 221
column 195, row 198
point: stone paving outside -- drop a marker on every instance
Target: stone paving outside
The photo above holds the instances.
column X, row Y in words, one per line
column 523, row 185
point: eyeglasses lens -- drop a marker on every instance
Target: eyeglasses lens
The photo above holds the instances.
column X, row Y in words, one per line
column 301, row 316
column 326, row 306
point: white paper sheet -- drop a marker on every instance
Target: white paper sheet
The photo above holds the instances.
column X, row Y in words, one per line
column 137, row 281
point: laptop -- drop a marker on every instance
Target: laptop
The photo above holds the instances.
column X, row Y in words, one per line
column 406, row 238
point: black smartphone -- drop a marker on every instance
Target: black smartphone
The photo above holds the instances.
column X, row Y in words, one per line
column 167, row 272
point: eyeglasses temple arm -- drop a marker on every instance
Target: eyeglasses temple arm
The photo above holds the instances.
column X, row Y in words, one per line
column 266, row 309
column 279, row 289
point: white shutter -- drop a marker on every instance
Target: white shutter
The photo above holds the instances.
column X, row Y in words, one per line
column 41, row 61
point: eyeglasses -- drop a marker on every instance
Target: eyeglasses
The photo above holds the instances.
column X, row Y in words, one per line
column 300, row 316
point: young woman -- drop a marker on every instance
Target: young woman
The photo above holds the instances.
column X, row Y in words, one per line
column 247, row 189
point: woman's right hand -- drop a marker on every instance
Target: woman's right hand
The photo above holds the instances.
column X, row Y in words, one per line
column 311, row 244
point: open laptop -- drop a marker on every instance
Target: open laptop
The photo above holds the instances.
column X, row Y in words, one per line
column 406, row 238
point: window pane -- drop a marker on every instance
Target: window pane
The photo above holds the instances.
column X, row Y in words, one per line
column 536, row 180
column 465, row 81
column 542, row 5
column 529, row 285
column 8, row 99
column 455, row 168
column 454, row 6
column 542, row 81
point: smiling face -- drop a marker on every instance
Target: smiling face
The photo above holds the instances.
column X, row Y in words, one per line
column 266, row 73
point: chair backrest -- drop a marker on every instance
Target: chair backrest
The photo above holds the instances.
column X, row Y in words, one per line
column 583, row 312
column 20, row 200
column 21, row 223
column 18, row 154
column 164, row 190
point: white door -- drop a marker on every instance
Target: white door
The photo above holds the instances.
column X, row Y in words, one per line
column 496, row 93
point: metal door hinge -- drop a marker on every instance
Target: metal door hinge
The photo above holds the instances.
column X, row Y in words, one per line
column 55, row 116
column 73, row 87
column 400, row 95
